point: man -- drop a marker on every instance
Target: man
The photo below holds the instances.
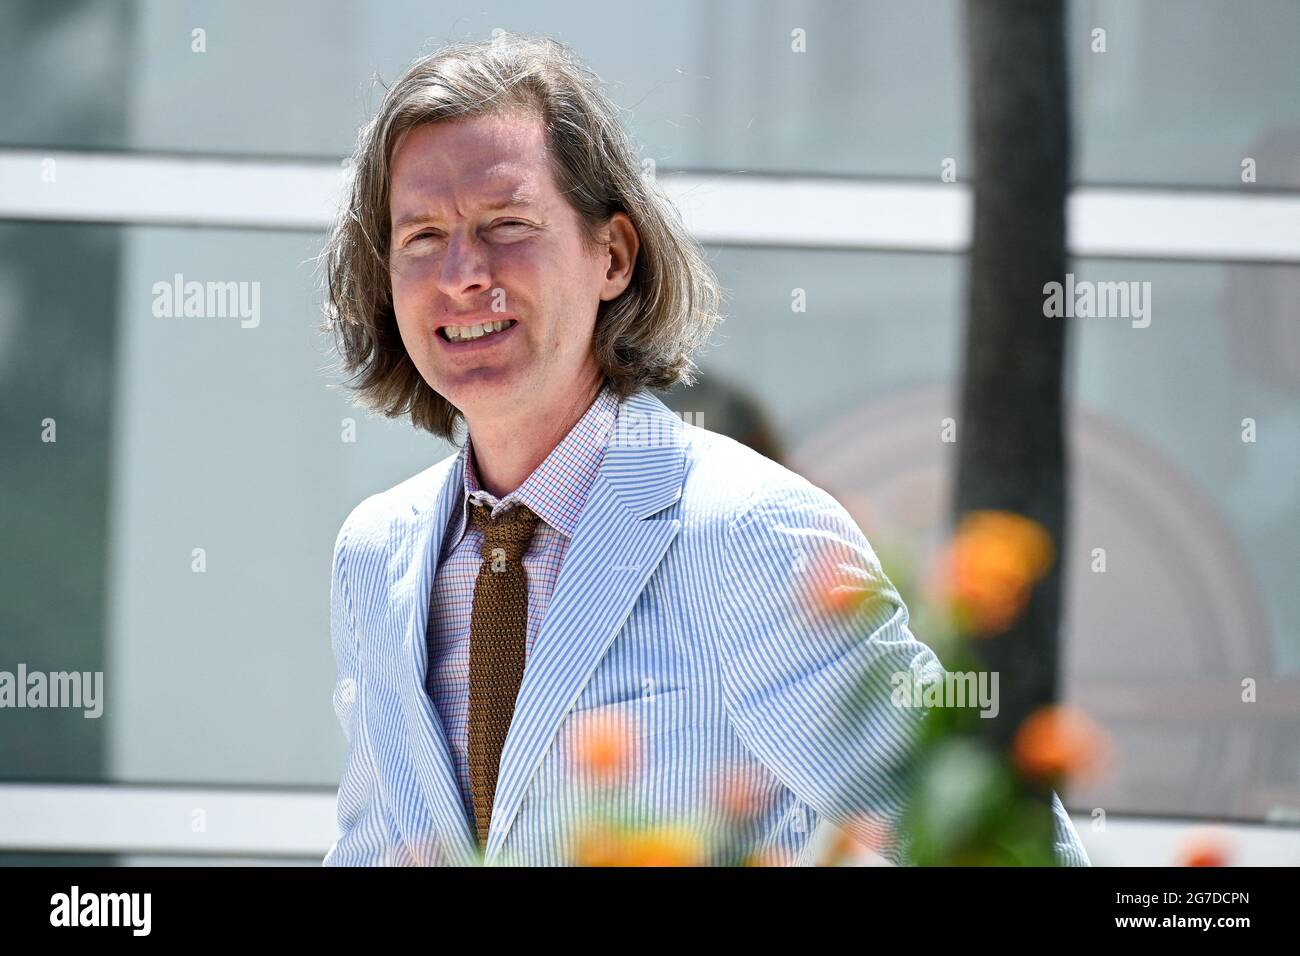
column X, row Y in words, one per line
column 596, row 625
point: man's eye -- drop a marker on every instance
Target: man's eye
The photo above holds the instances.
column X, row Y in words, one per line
column 433, row 234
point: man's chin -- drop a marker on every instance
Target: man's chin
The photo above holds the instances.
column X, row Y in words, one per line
column 484, row 392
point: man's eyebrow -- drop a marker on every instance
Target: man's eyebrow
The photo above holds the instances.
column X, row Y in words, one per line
column 521, row 198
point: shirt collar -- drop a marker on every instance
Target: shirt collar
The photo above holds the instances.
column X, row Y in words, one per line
column 558, row 487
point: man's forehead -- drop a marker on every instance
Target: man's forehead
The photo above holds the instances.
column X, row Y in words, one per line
column 491, row 147
column 498, row 187
column 482, row 163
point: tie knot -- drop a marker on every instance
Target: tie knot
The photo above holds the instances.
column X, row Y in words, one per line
column 511, row 532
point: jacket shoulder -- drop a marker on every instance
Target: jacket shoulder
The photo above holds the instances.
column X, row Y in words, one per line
column 732, row 478
column 367, row 525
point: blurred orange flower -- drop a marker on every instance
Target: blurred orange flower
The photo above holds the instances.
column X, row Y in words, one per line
column 841, row 849
column 850, row 845
column 769, row 856
column 657, row 846
column 604, row 746
column 1061, row 741
column 841, row 598
column 835, row 585
column 1206, row 847
column 987, row 571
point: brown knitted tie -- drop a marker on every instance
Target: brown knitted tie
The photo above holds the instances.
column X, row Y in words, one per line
column 498, row 629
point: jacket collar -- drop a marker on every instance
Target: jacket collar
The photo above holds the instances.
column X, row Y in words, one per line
column 641, row 474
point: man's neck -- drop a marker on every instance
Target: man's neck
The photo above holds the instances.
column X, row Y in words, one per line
column 507, row 451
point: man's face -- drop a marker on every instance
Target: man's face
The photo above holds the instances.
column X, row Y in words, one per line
column 480, row 234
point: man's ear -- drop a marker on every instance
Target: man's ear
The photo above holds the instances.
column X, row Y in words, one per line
column 621, row 241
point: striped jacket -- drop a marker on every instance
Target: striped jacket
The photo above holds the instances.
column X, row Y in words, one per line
column 686, row 615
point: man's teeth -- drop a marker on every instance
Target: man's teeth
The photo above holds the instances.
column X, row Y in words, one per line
column 465, row 333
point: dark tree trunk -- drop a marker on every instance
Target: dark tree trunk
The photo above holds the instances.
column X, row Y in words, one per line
column 1011, row 448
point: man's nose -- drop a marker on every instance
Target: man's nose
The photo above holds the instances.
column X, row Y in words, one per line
column 465, row 267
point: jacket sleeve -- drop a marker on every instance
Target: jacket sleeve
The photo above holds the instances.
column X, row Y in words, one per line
column 1068, row 846
column 812, row 635
column 367, row 836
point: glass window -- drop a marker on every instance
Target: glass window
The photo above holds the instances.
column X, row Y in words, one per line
column 1184, row 91
column 178, row 534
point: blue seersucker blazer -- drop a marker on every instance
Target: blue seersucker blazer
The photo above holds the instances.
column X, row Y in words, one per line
column 681, row 610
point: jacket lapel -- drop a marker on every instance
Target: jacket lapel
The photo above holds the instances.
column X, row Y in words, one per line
column 616, row 547
column 410, row 586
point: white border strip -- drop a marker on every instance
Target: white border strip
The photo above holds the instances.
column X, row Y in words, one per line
column 135, row 820
column 131, row 819
column 1125, row 223
column 823, row 214
column 167, row 190
column 747, row 210
column 1120, row 223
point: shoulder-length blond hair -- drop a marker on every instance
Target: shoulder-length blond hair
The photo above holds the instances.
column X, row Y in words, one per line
column 643, row 338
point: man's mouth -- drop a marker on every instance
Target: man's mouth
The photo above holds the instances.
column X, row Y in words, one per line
column 473, row 333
